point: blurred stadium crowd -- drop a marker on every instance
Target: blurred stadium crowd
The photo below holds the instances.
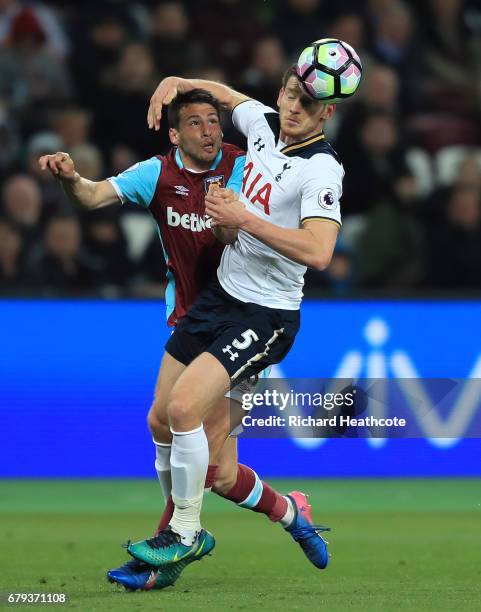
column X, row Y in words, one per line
column 77, row 76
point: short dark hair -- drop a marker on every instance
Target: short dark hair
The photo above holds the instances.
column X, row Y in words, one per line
column 194, row 96
column 290, row 72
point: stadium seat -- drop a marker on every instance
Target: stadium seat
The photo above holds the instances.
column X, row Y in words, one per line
column 421, row 166
column 434, row 131
column 352, row 227
column 139, row 230
column 447, row 161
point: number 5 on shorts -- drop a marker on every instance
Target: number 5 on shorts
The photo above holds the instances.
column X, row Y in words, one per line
column 249, row 336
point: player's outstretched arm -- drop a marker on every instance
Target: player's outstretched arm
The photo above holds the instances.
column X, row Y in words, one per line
column 169, row 87
column 79, row 190
column 311, row 246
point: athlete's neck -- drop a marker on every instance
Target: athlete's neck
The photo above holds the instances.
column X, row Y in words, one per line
column 196, row 165
column 290, row 140
column 287, row 140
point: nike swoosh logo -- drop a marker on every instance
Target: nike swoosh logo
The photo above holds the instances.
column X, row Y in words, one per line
column 200, row 549
column 189, row 552
column 177, row 558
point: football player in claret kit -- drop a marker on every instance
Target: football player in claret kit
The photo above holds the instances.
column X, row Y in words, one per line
column 288, row 218
column 173, row 187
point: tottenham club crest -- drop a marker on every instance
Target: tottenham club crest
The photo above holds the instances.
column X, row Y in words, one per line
column 218, row 181
column 328, row 199
column 284, row 168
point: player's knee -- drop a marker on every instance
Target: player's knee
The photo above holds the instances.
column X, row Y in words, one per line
column 158, row 426
column 181, row 414
column 225, row 479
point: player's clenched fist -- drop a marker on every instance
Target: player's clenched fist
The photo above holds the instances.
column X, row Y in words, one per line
column 224, row 207
column 60, row 165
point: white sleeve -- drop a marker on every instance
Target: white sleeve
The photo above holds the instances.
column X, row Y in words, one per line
column 246, row 113
column 321, row 189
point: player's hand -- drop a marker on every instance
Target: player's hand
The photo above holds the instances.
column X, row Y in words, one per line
column 60, row 164
column 223, row 206
column 164, row 94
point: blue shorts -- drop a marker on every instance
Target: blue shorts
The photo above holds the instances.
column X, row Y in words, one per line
column 245, row 337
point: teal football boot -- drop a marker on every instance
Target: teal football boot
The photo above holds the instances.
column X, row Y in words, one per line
column 166, row 548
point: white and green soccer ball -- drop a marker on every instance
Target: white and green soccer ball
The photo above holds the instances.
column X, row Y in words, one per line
column 329, row 70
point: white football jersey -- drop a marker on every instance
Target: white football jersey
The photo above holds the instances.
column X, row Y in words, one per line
column 284, row 185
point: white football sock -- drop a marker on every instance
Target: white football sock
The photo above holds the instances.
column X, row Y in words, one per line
column 162, row 466
column 188, row 461
column 288, row 517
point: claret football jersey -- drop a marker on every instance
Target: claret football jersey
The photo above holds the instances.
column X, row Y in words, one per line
column 174, row 195
column 285, row 185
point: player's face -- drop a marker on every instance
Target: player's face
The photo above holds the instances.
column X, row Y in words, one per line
column 199, row 136
column 300, row 116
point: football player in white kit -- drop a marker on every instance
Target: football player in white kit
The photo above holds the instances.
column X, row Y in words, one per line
column 288, row 217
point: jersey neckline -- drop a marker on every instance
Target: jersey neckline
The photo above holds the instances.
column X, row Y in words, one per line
column 303, row 143
column 273, row 122
column 180, row 163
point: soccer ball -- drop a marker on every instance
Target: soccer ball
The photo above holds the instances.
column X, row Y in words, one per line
column 329, row 70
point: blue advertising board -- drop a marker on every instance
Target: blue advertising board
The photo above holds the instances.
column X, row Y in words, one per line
column 76, row 382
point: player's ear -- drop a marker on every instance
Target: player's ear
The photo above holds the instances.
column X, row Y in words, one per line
column 329, row 110
column 174, row 136
column 281, row 93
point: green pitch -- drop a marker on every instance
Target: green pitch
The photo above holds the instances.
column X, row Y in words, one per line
column 395, row 544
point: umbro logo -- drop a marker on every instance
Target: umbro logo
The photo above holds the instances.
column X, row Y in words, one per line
column 181, row 190
column 259, row 144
